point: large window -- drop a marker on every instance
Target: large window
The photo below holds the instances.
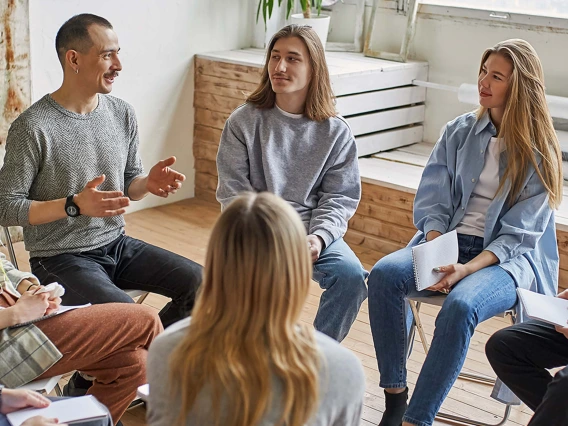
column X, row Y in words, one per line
column 548, row 8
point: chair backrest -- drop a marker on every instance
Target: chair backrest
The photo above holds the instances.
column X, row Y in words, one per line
column 10, row 247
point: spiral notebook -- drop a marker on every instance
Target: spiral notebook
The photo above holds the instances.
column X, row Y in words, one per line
column 544, row 308
column 441, row 251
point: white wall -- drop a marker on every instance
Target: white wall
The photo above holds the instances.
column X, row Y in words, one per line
column 158, row 39
column 453, row 48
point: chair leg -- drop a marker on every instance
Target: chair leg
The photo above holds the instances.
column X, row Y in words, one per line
column 416, row 314
column 141, row 298
column 58, row 390
column 463, row 420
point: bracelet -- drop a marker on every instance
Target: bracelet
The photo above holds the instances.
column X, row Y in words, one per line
column 30, row 287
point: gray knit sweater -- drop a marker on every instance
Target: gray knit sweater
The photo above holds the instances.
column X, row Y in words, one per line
column 52, row 153
column 312, row 165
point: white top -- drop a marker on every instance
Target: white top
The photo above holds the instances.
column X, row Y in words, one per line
column 473, row 222
column 288, row 114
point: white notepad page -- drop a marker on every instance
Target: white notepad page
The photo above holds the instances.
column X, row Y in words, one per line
column 545, row 308
column 441, row 251
column 66, row 410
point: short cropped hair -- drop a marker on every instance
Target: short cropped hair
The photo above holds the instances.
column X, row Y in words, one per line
column 74, row 34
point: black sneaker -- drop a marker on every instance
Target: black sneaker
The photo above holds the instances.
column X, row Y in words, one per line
column 77, row 385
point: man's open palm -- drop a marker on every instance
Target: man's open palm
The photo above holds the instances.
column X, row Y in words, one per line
column 162, row 180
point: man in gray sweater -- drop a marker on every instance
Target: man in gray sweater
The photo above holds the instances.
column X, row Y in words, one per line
column 288, row 139
column 72, row 166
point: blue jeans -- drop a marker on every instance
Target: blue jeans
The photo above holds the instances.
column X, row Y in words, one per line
column 339, row 272
column 474, row 299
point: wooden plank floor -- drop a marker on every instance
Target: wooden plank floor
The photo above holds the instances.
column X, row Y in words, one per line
column 184, row 228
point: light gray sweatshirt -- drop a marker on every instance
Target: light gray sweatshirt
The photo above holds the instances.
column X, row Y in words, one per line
column 341, row 386
column 312, row 165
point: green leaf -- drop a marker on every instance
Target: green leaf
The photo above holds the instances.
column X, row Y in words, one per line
column 264, row 13
column 289, row 8
column 270, row 7
column 258, row 10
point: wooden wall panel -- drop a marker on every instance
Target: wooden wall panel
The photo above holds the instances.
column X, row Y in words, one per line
column 227, row 70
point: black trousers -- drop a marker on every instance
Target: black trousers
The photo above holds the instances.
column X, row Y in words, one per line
column 101, row 275
column 520, row 356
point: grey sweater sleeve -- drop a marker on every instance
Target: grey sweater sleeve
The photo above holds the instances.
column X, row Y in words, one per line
column 21, row 165
column 232, row 166
column 134, row 166
column 339, row 194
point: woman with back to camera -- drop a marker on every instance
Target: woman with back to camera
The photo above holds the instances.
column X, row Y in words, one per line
column 244, row 358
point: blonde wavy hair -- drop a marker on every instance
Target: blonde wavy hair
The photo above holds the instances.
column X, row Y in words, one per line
column 245, row 330
column 526, row 126
column 320, row 101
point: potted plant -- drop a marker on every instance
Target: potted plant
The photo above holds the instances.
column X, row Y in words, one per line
column 318, row 21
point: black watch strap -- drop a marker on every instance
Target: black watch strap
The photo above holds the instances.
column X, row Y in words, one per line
column 71, row 208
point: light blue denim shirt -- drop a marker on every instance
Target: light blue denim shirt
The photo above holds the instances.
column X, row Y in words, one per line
column 522, row 235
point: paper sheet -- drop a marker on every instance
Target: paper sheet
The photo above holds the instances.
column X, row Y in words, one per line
column 67, row 410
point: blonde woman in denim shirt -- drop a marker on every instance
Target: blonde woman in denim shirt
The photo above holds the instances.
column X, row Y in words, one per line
column 495, row 177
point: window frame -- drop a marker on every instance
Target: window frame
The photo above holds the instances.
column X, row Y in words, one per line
column 538, row 22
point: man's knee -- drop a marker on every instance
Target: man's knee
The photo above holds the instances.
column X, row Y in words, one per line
column 143, row 318
column 349, row 274
column 496, row 347
column 560, row 381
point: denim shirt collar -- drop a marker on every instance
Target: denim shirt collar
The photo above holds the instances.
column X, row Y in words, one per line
column 485, row 123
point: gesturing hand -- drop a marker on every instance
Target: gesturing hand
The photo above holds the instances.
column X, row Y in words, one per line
column 163, row 181
column 454, row 273
column 95, row 203
column 16, row 399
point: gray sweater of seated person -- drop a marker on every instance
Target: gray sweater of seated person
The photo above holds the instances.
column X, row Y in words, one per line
column 312, row 165
column 52, row 153
column 341, row 386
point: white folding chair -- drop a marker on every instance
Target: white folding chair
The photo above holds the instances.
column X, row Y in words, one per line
column 45, row 386
column 143, row 392
column 438, row 300
column 139, row 294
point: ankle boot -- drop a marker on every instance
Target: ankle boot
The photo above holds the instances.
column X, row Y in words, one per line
column 395, row 407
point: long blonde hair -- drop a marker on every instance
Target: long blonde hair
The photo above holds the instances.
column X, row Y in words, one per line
column 320, row 101
column 527, row 125
column 245, row 329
